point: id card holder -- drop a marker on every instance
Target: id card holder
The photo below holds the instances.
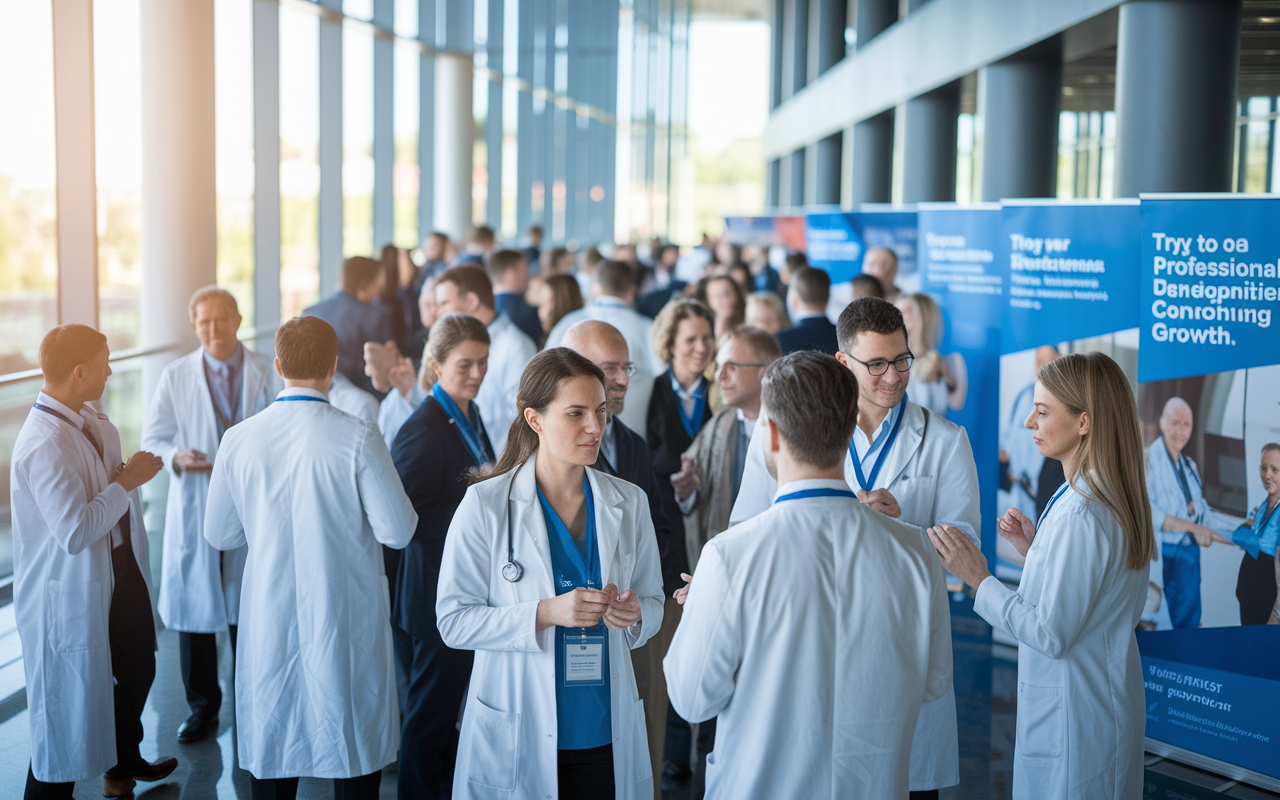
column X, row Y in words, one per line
column 584, row 658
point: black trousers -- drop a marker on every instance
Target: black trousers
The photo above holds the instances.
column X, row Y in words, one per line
column 586, row 774
column 1256, row 588
column 198, row 661
column 132, row 635
column 42, row 790
column 438, row 679
column 364, row 787
column 928, row 794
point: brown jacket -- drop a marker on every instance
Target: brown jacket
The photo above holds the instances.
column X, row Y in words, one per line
column 713, row 450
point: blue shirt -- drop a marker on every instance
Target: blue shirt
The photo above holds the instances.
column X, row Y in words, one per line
column 225, row 379
column 1257, row 536
column 583, row 717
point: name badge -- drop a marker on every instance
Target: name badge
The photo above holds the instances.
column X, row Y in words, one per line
column 584, row 659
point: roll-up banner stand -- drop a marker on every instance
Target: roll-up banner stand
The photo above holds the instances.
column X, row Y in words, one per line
column 836, row 241
column 1209, row 372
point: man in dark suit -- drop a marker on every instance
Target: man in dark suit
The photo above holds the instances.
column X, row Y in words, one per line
column 807, row 297
column 665, row 284
column 509, row 271
column 357, row 320
column 625, row 453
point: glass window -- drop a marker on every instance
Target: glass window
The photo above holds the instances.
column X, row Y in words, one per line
column 406, row 180
column 299, row 160
column 406, row 19
column 233, row 88
column 357, row 141
column 117, row 73
column 358, row 8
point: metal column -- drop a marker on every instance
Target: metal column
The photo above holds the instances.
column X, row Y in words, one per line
column 1019, row 98
column 929, row 146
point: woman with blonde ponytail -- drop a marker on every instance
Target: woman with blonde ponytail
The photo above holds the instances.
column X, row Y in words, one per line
column 1081, row 704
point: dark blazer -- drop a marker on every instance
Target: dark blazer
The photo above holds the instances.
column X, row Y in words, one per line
column 654, row 301
column 522, row 314
column 667, row 441
column 433, row 462
column 636, row 466
column 768, row 280
column 813, row 333
column 355, row 324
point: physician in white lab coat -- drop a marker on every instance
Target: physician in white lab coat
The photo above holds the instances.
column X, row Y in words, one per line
column 467, row 289
column 551, row 574
column 313, row 494
column 912, row 465
column 1081, row 704
column 828, row 710
column 81, row 569
column 199, row 397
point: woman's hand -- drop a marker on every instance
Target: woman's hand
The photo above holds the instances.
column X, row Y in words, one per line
column 1017, row 529
column 581, row 608
column 623, row 612
column 959, row 555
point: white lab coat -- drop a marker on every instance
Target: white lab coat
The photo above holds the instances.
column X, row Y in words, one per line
column 199, row 589
column 509, row 731
column 932, row 475
column 351, row 399
column 509, row 351
column 314, row 494
column 637, row 329
column 65, row 514
column 1081, row 704
column 813, row 632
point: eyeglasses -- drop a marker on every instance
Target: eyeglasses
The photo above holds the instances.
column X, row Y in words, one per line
column 610, row 369
column 739, row 365
column 879, row 366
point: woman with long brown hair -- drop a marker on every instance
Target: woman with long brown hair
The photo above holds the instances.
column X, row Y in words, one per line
column 550, row 573
column 560, row 294
column 1081, row 704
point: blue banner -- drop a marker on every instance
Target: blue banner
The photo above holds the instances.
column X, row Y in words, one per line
column 1210, row 282
column 836, row 241
column 958, row 265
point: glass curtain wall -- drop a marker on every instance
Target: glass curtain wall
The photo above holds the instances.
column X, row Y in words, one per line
column 299, row 160
column 357, row 140
column 233, row 111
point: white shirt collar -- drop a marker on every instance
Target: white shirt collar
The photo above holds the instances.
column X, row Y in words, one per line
column 800, row 316
column 298, row 391
column 610, row 300
column 50, row 403
column 810, row 483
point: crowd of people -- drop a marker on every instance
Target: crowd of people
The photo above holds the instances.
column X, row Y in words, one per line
column 533, row 522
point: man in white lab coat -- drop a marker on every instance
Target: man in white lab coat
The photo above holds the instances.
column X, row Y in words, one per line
column 467, row 289
column 313, row 493
column 81, row 579
column 911, row 465
column 199, row 397
column 816, row 629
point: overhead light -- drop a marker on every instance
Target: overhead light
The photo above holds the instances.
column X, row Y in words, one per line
column 1267, row 20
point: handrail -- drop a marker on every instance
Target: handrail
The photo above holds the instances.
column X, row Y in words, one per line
column 120, row 355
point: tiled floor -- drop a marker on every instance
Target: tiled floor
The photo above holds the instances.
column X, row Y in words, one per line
column 986, row 686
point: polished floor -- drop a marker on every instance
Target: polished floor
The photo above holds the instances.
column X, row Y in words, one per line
column 986, row 685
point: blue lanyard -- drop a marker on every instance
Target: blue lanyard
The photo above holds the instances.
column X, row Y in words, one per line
column 469, row 436
column 301, row 398
column 884, row 451
column 691, row 425
column 587, row 568
column 83, row 428
column 1267, row 517
column 803, row 493
column 1049, row 505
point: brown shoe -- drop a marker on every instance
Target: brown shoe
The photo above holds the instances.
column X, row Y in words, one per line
column 157, row 770
column 118, row 787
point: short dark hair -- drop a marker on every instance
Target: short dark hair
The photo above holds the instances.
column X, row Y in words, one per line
column 615, row 278
column 796, row 260
column 482, row 235
column 66, row 347
column 468, row 278
column 812, row 286
column 814, row 402
column 870, row 285
column 868, row 315
column 762, row 343
column 306, row 348
column 358, row 272
column 503, row 261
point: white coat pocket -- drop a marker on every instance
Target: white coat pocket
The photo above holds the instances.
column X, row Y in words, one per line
column 71, row 619
column 495, row 747
column 1042, row 728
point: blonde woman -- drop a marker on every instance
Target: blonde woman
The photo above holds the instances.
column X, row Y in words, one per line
column 938, row 382
column 1081, row 704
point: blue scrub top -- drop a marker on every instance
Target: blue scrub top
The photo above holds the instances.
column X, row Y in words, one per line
column 583, row 716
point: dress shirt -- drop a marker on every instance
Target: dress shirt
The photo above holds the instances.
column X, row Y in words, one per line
column 868, row 449
column 225, row 380
column 609, row 445
column 77, row 421
column 688, row 397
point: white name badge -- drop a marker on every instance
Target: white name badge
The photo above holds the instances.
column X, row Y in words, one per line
column 584, row 660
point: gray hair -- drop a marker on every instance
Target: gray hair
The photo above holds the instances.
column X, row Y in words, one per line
column 210, row 293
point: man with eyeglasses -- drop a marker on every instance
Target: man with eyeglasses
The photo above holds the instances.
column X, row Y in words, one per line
column 625, row 453
column 905, row 462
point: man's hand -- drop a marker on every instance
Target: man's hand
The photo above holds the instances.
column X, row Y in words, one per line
column 881, row 501
column 142, row 467
column 624, row 611
column 581, row 608
column 402, row 377
column 379, row 360
column 191, row 461
column 682, row 594
column 959, row 555
column 1017, row 529
column 686, row 480
column 1206, row 537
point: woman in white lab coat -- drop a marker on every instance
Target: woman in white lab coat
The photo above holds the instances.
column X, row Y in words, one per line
column 551, row 575
column 1081, row 711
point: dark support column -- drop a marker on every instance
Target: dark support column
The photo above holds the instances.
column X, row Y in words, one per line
column 1018, row 99
column 872, row 171
column 873, row 16
column 773, row 183
column 794, row 188
column 826, row 48
column 828, row 153
column 1177, row 62
column 929, row 146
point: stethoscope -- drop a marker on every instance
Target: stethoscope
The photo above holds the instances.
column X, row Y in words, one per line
column 512, row 571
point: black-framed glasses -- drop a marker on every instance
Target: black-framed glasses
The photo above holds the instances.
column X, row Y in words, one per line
column 611, row 368
column 879, row 366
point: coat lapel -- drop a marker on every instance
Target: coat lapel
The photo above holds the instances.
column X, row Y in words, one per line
column 608, row 508
column 904, row 449
column 531, row 527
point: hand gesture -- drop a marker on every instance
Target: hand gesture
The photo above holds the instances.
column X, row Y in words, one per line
column 191, row 461
column 959, row 555
column 402, row 377
column 581, row 608
column 624, row 611
column 1207, row 537
column 682, row 594
column 379, row 360
column 142, row 467
column 686, row 480
column 1017, row 529
column 881, row 500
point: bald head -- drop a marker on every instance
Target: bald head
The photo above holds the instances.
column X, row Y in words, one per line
column 602, row 344
column 1175, row 424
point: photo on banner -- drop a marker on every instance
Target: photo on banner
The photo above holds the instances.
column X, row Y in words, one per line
column 1073, row 288
column 837, row 241
column 1209, row 372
